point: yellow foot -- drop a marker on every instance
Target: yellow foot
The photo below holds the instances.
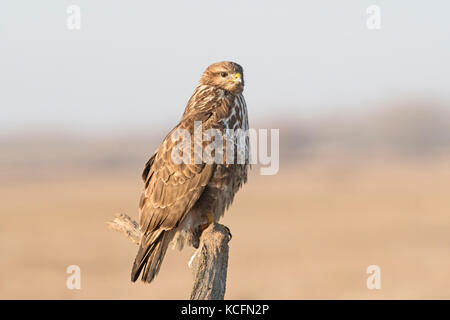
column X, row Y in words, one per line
column 210, row 218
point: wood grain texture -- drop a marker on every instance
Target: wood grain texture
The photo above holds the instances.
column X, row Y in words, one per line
column 209, row 264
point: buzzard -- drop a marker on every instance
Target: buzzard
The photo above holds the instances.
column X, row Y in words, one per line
column 180, row 200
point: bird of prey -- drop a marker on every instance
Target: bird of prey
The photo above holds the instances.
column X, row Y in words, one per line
column 180, row 200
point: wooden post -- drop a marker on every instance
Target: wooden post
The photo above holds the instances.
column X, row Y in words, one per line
column 208, row 265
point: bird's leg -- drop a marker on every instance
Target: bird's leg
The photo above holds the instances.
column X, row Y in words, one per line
column 210, row 219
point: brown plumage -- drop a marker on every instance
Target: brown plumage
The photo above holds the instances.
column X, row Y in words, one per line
column 177, row 198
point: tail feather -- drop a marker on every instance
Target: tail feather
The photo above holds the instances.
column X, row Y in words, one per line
column 150, row 255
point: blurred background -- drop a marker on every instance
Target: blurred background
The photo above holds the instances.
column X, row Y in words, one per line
column 364, row 119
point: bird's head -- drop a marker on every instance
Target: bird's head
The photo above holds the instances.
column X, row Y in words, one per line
column 226, row 75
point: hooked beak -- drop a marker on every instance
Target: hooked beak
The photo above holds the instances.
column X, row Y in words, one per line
column 237, row 78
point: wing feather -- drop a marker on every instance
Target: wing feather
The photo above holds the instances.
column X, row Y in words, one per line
column 172, row 189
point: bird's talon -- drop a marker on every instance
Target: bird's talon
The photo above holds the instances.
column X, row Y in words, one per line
column 227, row 230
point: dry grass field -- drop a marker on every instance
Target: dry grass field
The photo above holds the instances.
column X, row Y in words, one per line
column 309, row 232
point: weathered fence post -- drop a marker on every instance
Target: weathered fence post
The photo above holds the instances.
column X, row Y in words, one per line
column 208, row 265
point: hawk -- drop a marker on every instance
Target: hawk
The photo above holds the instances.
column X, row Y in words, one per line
column 180, row 200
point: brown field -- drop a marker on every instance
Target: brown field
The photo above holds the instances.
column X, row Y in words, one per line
column 309, row 232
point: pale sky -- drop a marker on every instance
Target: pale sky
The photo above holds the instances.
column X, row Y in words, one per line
column 134, row 64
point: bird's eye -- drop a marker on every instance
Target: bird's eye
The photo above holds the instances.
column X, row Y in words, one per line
column 223, row 74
